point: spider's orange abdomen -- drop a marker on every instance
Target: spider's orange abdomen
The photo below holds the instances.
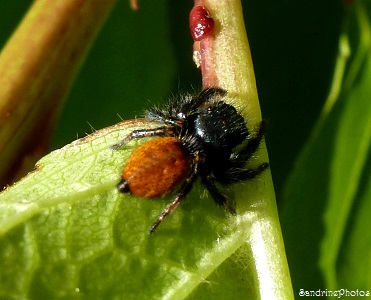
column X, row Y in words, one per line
column 156, row 167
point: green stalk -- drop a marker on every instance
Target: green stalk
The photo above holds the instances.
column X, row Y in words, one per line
column 232, row 63
column 37, row 68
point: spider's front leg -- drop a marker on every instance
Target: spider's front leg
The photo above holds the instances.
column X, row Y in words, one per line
column 251, row 147
column 142, row 133
column 246, row 174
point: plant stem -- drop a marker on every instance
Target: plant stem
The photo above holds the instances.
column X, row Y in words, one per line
column 37, row 68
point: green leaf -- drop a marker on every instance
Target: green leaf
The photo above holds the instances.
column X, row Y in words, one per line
column 328, row 195
column 67, row 232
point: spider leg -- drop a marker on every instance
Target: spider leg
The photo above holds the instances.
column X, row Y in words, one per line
column 219, row 198
column 141, row 133
column 250, row 148
column 237, row 175
column 182, row 193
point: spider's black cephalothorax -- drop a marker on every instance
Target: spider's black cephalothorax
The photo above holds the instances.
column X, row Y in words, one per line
column 208, row 131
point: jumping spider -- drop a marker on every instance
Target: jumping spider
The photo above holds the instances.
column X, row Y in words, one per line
column 198, row 137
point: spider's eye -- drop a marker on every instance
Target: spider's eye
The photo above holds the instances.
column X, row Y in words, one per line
column 181, row 115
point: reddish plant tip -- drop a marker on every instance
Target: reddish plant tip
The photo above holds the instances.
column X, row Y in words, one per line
column 200, row 23
column 134, row 4
column 348, row 3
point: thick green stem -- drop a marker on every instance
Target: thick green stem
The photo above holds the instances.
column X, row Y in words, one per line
column 37, row 68
column 227, row 63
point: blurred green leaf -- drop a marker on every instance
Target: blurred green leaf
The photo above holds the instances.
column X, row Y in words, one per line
column 326, row 232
